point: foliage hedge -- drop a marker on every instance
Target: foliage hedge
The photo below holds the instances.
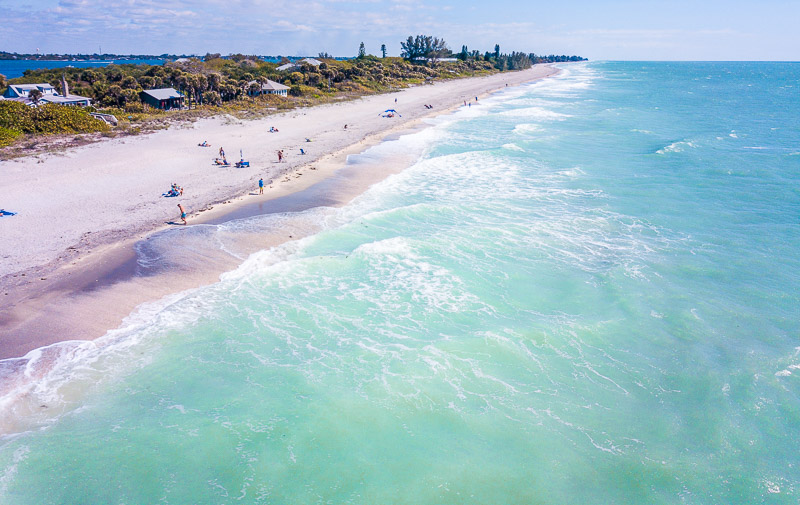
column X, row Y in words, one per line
column 19, row 118
column 8, row 136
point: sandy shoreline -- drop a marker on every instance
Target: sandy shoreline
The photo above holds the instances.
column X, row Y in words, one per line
column 68, row 267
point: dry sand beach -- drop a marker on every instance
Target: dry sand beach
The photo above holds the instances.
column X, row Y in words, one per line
column 68, row 259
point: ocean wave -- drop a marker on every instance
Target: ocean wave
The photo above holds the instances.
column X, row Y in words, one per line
column 527, row 128
column 48, row 382
column 538, row 113
column 677, row 147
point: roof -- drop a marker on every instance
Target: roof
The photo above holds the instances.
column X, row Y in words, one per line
column 30, row 87
column 56, row 99
column 269, row 85
column 22, row 90
column 21, row 99
column 275, row 86
column 59, row 99
column 295, row 64
column 163, row 93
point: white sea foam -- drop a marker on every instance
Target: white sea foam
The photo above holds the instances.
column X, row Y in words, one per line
column 536, row 113
column 677, row 147
column 527, row 128
column 50, row 381
column 10, row 471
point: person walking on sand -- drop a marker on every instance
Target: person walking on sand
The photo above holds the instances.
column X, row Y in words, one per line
column 280, row 156
column 183, row 213
column 221, row 152
column 261, row 186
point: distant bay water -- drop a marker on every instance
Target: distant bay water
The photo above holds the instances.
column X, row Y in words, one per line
column 584, row 292
column 15, row 68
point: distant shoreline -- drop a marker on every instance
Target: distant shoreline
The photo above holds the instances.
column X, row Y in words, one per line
column 13, row 69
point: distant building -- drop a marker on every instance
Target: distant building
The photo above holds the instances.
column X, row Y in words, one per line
column 163, row 98
column 440, row 60
column 268, row 88
column 297, row 64
column 21, row 93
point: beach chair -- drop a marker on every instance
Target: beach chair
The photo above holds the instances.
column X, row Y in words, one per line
column 240, row 164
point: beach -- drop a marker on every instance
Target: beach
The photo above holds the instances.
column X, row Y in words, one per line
column 590, row 278
column 68, row 260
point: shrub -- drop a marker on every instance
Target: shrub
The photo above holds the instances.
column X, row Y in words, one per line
column 48, row 118
column 52, row 118
column 16, row 116
column 7, row 136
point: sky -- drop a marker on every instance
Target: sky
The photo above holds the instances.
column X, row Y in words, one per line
column 598, row 30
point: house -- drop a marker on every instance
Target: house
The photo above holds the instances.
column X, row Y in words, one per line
column 163, row 98
column 21, row 93
column 268, row 88
column 297, row 64
column 23, row 90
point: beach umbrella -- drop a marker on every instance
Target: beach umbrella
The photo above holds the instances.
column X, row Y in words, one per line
column 392, row 111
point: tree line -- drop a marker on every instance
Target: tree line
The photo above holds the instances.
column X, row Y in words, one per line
column 236, row 80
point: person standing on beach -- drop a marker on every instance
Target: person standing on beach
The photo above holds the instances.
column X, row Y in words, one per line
column 222, row 152
column 261, row 186
column 183, row 213
column 280, row 156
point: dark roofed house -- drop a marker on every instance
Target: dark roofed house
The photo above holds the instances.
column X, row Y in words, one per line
column 164, row 98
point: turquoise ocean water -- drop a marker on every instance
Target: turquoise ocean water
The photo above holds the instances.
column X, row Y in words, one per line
column 585, row 292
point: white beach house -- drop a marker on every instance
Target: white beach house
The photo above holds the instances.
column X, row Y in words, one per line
column 21, row 93
column 268, row 88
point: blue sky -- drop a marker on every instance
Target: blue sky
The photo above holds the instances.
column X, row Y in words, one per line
column 611, row 30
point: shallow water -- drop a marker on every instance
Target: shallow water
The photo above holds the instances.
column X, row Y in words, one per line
column 583, row 292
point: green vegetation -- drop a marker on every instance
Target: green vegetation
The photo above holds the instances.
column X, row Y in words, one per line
column 231, row 85
column 17, row 118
